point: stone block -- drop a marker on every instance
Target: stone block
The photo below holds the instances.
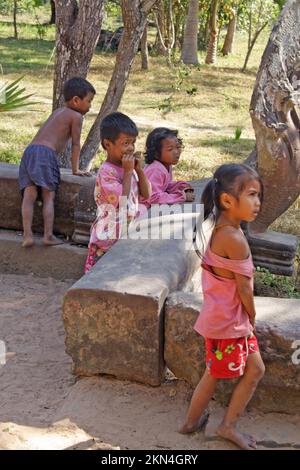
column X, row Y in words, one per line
column 72, row 191
column 60, row 262
column 113, row 316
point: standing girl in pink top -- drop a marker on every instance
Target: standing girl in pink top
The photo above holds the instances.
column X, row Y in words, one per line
column 227, row 318
column 163, row 150
column 120, row 176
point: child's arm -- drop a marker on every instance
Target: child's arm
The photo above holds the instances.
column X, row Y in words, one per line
column 178, row 186
column 128, row 165
column 237, row 248
column 159, row 184
column 245, row 291
column 144, row 185
column 75, row 135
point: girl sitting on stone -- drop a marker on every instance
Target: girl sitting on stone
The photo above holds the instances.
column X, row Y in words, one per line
column 163, row 150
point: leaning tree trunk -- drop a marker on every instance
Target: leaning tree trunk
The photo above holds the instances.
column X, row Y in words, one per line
column 189, row 54
column 228, row 44
column 160, row 12
column 78, row 27
column 211, row 56
column 252, row 43
column 15, row 7
column 52, row 19
column 144, row 49
column 275, row 112
column 134, row 17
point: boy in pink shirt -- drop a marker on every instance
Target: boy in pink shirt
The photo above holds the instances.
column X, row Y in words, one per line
column 163, row 150
column 121, row 175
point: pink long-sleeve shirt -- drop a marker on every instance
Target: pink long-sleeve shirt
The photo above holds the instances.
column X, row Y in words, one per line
column 164, row 189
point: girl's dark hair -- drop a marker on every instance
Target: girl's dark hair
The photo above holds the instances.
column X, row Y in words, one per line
column 154, row 141
column 229, row 178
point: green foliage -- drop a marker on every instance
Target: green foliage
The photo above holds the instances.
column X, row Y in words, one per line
column 254, row 13
column 181, row 75
column 112, row 14
column 41, row 28
column 281, row 285
column 7, row 6
column 238, row 133
column 12, row 97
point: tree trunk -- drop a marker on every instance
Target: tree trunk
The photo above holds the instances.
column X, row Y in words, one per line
column 52, row 19
column 169, row 42
column 228, row 44
column 257, row 33
column 211, row 56
column 15, row 19
column 144, row 49
column 134, row 17
column 160, row 13
column 77, row 33
column 177, row 28
column 189, row 54
column 275, row 116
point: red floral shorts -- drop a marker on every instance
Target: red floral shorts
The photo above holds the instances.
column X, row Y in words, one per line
column 227, row 358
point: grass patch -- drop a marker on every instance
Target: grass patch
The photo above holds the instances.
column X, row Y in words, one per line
column 271, row 285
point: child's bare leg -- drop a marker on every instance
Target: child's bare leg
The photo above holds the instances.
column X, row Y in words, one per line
column 197, row 414
column 240, row 398
column 48, row 214
column 29, row 198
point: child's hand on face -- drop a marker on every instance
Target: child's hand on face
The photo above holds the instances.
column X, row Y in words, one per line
column 138, row 161
column 189, row 195
column 128, row 162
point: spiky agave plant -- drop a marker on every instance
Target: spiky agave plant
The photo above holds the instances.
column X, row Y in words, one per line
column 11, row 96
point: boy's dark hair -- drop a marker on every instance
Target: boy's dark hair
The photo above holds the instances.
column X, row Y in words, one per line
column 114, row 124
column 154, row 141
column 77, row 86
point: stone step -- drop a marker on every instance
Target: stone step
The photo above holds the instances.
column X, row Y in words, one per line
column 61, row 262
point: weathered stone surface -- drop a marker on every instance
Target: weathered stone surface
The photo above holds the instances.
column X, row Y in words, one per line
column 278, row 326
column 274, row 251
column 275, row 115
column 60, row 262
column 113, row 315
column 84, row 213
column 66, row 204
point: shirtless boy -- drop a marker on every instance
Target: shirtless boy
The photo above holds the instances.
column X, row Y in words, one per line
column 39, row 169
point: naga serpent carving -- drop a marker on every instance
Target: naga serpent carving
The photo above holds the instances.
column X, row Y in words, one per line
column 275, row 113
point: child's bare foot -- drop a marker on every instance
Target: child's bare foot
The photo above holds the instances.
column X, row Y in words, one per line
column 52, row 240
column 190, row 428
column 242, row 440
column 28, row 242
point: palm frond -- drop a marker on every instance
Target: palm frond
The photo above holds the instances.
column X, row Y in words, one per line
column 11, row 96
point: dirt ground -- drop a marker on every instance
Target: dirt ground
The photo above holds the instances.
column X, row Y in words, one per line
column 43, row 406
